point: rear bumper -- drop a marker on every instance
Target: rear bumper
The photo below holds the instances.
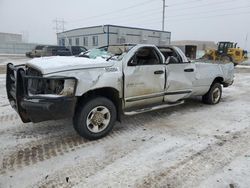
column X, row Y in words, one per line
column 228, row 83
column 31, row 108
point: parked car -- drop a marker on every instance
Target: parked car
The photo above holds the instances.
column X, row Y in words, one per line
column 95, row 92
column 56, row 51
column 76, row 50
column 36, row 52
column 62, row 50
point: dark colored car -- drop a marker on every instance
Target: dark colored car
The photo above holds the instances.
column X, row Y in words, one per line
column 62, row 50
column 55, row 51
column 76, row 50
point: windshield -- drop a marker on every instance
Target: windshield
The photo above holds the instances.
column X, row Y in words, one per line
column 116, row 52
column 94, row 53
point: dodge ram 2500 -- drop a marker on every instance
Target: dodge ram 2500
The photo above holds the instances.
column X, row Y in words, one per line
column 97, row 88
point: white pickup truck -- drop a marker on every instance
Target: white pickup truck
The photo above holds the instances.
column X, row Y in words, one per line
column 97, row 88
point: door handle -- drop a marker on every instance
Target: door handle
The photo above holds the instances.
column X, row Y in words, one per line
column 189, row 70
column 159, row 72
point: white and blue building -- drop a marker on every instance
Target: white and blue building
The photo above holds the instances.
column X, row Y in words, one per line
column 96, row 36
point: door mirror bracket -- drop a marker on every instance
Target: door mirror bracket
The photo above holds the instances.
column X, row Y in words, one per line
column 133, row 61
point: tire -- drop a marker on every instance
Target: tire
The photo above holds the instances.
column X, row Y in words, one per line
column 213, row 96
column 95, row 118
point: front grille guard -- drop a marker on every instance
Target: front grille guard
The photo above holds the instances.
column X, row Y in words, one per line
column 17, row 88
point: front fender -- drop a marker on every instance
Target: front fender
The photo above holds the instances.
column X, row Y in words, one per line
column 91, row 79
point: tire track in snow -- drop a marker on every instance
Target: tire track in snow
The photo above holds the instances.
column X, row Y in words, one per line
column 48, row 147
column 92, row 165
column 201, row 164
column 8, row 117
column 52, row 146
column 41, row 150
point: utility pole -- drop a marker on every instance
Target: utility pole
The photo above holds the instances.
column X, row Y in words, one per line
column 246, row 40
column 163, row 15
column 60, row 23
column 59, row 26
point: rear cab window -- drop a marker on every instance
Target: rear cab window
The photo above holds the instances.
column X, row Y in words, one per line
column 174, row 52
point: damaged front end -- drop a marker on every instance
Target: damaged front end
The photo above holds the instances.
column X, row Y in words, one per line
column 37, row 98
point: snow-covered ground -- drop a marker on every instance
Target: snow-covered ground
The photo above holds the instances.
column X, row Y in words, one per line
column 192, row 145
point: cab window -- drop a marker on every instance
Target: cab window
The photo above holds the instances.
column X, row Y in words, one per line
column 145, row 56
column 168, row 52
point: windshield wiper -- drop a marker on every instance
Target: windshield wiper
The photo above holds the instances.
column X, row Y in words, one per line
column 110, row 57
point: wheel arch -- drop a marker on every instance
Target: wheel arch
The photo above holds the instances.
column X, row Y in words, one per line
column 218, row 79
column 108, row 92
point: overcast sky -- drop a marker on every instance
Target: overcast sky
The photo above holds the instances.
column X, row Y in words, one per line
column 212, row 20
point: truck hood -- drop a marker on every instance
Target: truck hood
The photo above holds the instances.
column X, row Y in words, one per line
column 54, row 64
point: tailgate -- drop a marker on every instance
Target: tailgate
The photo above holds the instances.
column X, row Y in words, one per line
column 228, row 72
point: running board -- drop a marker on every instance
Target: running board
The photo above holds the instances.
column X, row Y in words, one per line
column 139, row 111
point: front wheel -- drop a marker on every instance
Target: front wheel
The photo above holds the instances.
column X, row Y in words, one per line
column 96, row 118
column 213, row 96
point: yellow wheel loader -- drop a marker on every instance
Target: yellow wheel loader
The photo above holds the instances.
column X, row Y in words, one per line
column 226, row 52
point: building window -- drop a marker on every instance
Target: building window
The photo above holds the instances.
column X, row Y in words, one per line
column 95, row 40
column 77, row 42
column 121, row 40
column 70, row 42
column 85, row 41
column 62, row 42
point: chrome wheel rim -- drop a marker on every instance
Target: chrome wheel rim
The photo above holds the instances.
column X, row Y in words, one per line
column 98, row 119
column 216, row 95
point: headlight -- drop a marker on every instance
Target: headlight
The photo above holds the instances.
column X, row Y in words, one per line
column 69, row 87
column 53, row 86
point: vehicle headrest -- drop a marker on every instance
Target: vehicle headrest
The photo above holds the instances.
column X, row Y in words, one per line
column 143, row 52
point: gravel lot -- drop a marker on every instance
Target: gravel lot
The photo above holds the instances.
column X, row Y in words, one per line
column 192, row 145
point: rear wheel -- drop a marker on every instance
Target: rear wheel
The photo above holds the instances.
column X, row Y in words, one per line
column 95, row 119
column 213, row 96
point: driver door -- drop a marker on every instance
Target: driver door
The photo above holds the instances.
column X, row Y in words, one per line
column 144, row 80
